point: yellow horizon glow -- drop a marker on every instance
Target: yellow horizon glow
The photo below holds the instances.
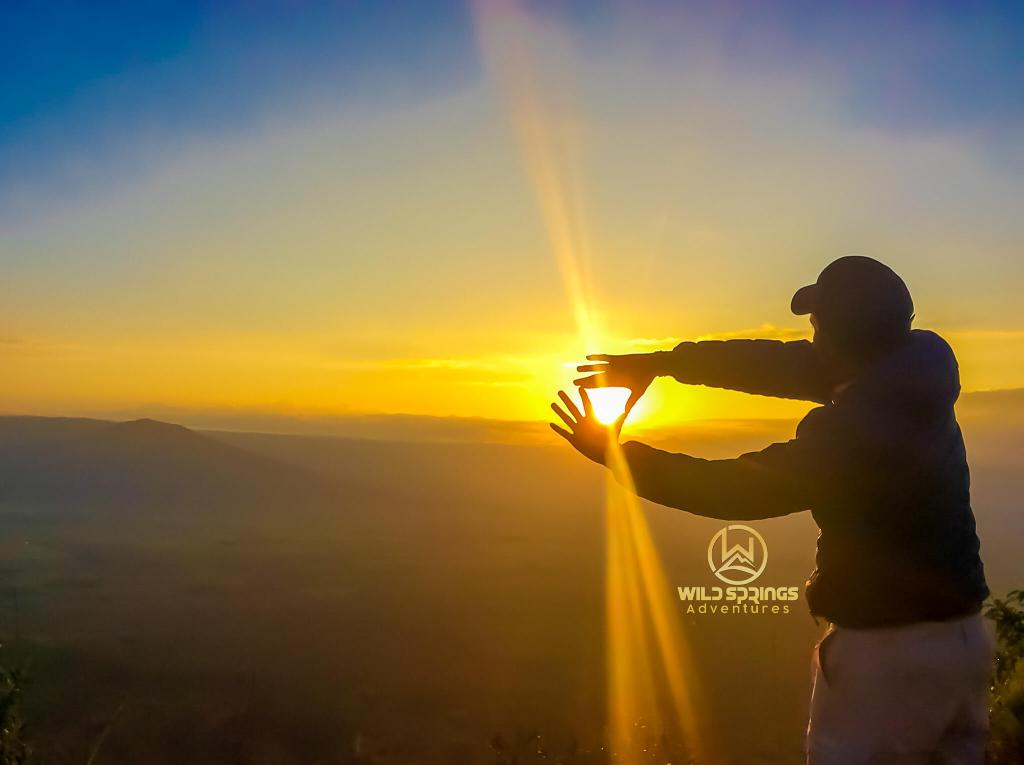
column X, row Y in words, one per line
column 293, row 377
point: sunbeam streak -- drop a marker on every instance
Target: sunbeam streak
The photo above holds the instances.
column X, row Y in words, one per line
column 652, row 683
column 547, row 152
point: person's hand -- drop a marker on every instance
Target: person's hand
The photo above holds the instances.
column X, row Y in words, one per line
column 588, row 435
column 635, row 371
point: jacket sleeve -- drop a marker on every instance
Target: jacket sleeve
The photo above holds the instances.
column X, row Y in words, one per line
column 781, row 479
column 765, row 367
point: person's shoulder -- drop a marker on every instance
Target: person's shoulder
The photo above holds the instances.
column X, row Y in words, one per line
column 927, row 367
column 930, row 341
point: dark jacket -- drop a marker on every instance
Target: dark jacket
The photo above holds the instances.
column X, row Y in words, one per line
column 881, row 466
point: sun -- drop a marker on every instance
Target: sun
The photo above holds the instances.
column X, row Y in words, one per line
column 608, row 403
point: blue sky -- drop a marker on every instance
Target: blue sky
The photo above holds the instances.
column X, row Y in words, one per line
column 87, row 79
column 81, row 79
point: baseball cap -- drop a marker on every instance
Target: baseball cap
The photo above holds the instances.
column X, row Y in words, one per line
column 856, row 290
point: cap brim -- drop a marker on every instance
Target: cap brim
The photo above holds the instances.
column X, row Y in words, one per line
column 804, row 300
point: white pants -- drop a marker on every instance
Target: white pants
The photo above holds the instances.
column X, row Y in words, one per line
column 913, row 694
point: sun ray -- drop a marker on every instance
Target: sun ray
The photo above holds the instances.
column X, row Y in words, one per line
column 652, row 683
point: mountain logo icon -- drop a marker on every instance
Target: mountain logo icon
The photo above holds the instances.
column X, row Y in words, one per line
column 737, row 554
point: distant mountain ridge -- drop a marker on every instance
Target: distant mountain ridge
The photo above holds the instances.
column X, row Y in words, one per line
column 85, row 461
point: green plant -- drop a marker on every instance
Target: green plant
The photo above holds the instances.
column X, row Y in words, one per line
column 1006, row 743
column 14, row 749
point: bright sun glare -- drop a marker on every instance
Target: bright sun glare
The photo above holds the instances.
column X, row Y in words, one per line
column 608, row 403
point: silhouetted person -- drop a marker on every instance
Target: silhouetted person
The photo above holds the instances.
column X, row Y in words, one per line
column 902, row 670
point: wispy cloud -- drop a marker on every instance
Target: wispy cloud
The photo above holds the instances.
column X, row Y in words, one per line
column 764, row 331
column 986, row 334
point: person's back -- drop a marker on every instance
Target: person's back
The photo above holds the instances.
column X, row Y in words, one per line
column 898, row 542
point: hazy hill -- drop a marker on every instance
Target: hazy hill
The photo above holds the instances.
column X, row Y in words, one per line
column 70, row 462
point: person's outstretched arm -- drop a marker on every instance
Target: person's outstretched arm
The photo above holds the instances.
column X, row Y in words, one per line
column 766, row 367
column 781, row 479
column 765, row 484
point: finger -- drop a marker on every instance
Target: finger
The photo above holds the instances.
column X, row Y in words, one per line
column 620, row 421
column 592, row 381
column 565, row 417
column 570, row 405
column 635, row 394
column 561, row 431
column 599, row 357
column 592, row 367
column 588, row 408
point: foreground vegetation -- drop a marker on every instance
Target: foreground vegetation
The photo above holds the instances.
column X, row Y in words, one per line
column 1006, row 744
column 14, row 748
